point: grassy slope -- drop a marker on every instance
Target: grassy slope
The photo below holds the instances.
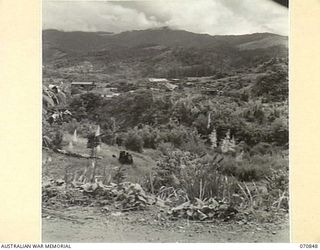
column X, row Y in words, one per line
column 143, row 163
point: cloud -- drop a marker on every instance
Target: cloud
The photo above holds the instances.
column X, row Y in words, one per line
column 93, row 16
column 200, row 16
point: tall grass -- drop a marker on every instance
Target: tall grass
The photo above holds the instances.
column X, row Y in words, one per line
column 246, row 186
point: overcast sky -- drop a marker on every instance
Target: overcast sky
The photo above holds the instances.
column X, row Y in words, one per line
column 215, row 17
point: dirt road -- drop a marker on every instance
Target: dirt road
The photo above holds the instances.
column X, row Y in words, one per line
column 91, row 225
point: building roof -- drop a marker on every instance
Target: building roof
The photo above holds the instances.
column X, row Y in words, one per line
column 82, row 83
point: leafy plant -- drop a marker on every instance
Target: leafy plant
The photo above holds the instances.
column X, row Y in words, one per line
column 119, row 175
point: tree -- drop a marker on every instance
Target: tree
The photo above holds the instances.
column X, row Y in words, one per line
column 133, row 141
column 86, row 106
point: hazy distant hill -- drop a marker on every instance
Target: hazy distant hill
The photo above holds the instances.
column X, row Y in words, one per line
column 93, row 41
column 160, row 50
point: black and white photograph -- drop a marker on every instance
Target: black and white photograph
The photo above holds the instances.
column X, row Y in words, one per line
column 165, row 121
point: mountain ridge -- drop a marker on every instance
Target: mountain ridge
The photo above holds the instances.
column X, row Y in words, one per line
column 160, row 52
column 90, row 41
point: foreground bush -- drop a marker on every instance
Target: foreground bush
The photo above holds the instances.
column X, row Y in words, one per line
column 198, row 177
column 258, row 183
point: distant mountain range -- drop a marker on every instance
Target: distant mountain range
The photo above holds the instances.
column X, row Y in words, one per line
column 160, row 49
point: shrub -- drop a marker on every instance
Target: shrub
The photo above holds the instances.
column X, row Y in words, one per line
column 175, row 135
column 229, row 167
column 201, row 178
column 165, row 148
column 201, row 123
column 86, row 106
column 54, row 135
column 194, row 144
column 84, row 128
column 254, row 112
column 253, row 168
column 279, row 179
column 133, row 141
column 249, row 173
column 120, row 138
column 109, row 137
column 150, row 136
column 197, row 177
column 57, row 139
column 71, row 126
column 261, row 148
column 273, row 87
column 183, row 110
column 280, row 132
column 169, row 168
column 119, row 175
column 243, row 172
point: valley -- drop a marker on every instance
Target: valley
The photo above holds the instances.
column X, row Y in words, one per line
column 204, row 120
